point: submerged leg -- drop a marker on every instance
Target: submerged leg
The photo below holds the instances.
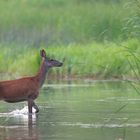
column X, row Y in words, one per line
column 36, row 107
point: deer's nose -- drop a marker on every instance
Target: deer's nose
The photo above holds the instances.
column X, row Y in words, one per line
column 60, row 64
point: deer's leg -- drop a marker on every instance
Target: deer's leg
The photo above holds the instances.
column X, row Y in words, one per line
column 36, row 107
column 30, row 103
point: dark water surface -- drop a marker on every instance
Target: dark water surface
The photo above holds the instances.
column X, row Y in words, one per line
column 87, row 111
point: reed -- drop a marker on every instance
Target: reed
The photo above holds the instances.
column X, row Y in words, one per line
column 81, row 31
column 91, row 60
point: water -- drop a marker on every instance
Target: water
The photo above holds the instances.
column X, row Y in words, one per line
column 87, row 111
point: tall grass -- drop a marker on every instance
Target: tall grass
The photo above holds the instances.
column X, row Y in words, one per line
column 17, row 61
column 61, row 21
column 81, row 31
column 132, row 23
column 92, row 60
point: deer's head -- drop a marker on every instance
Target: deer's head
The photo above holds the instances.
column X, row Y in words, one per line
column 50, row 62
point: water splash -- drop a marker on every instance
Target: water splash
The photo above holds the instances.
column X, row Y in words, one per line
column 19, row 113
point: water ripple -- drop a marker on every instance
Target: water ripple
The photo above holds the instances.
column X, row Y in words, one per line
column 99, row 125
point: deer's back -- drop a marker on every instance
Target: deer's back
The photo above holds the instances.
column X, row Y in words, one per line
column 19, row 89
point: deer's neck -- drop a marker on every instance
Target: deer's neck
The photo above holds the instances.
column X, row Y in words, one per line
column 42, row 73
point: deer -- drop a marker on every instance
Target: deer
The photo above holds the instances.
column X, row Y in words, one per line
column 27, row 88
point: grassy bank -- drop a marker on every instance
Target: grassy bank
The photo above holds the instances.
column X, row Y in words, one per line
column 81, row 31
column 92, row 60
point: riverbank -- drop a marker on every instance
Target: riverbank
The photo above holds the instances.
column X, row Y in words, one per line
column 94, row 60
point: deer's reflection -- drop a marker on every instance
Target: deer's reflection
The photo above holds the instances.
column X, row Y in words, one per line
column 32, row 127
column 25, row 131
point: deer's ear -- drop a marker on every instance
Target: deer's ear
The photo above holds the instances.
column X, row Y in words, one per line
column 43, row 53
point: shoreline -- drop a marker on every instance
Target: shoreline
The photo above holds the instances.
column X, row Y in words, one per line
column 12, row 76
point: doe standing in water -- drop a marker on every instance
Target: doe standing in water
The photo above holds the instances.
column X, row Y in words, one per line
column 27, row 88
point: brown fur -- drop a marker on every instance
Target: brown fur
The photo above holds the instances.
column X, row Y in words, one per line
column 20, row 89
column 27, row 88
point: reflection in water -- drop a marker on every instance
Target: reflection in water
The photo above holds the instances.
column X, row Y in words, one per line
column 18, row 125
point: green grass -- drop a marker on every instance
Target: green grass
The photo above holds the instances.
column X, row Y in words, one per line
column 92, row 60
column 62, row 21
column 81, row 31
